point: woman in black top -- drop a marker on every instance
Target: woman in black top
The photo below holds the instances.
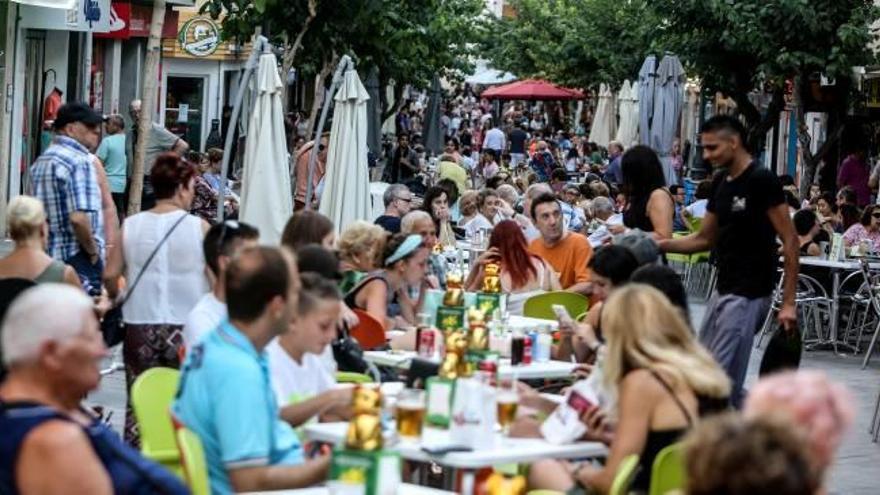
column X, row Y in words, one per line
column 649, row 204
column 663, row 379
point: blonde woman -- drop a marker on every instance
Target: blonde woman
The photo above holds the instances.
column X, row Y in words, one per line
column 360, row 246
column 26, row 218
column 664, row 381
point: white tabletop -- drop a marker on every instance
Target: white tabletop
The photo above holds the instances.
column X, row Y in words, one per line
column 405, row 489
column 517, row 322
column 532, row 371
column 504, row 450
column 848, row 264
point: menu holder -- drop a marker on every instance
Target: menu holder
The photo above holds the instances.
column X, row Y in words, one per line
column 450, row 318
column 360, row 472
column 439, row 392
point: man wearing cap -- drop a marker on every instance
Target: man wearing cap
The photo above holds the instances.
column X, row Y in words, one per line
column 64, row 179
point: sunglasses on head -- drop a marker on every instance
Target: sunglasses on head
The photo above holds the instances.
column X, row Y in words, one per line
column 228, row 227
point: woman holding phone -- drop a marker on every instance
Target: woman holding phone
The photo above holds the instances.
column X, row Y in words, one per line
column 522, row 274
column 664, row 381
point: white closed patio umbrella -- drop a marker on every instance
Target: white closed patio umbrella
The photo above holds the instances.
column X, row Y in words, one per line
column 265, row 196
column 605, row 120
column 346, row 194
column 627, row 101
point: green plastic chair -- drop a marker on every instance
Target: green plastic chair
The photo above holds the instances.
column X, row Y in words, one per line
column 195, row 468
column 151, row 396
column 352, row 377
column 667, row 473
column 541, row 305
column 626, row 472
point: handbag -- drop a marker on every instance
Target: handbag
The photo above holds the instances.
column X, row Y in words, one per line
column 783, row 352
column 348, row 353
column 112, row 325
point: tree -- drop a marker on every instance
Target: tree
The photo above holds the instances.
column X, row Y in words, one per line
column 578, row 43
column 738, row 47
column 148, row 103
column 407, row 40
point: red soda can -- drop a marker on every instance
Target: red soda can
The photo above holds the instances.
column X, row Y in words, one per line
column 425, row 343
column 527, row 351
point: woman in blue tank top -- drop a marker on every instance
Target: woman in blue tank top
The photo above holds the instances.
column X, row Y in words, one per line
column 49, row 443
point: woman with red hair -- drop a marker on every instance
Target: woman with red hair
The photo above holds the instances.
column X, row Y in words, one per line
column 522, row 274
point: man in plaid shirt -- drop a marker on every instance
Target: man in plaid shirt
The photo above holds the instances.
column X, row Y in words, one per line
column 65, row 180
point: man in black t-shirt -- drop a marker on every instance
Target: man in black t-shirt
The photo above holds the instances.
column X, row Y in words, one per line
column 744, row 216
column 404, row 162
column 516, row 140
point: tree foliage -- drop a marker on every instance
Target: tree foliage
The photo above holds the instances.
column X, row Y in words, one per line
column 577, row 43
column 409, row 41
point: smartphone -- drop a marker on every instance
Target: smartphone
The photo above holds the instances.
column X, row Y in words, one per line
column 579, row 403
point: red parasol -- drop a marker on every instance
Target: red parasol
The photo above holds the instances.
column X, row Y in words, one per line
column 532, row 89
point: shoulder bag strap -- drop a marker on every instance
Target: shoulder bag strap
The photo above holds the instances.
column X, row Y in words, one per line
column 140, row 274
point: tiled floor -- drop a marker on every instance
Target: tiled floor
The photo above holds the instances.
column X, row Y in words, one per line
column 856, row 470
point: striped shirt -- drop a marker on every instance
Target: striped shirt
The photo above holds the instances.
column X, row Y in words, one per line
column 65, row 180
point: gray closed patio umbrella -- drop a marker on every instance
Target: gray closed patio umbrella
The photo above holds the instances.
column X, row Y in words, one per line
column 646, row 81
column 433, row 135
column 668, row 101
column 374, row 114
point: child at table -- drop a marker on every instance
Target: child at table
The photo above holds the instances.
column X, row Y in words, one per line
column 303, row 385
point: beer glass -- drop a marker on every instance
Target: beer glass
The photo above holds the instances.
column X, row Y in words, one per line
column 506, row 399
column 410, row 412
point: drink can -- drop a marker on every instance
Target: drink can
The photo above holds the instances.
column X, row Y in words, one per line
column 489, row 367
column 527, row 351
column 517, row 349
column 426, row 342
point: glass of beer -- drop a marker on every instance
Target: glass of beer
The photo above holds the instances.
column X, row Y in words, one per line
column 410, row 413
column 506, row 399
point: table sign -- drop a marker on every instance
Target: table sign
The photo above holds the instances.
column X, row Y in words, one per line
column 362, row 466
column 439, row 401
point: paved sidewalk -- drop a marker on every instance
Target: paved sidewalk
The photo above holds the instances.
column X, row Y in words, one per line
column 856, row 470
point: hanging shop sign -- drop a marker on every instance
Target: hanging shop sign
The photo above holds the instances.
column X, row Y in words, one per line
column 85, row 15
column 199, row 36
column 133, row 21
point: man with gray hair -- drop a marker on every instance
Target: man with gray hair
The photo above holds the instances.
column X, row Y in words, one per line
column 398, row 201
column 614, row 172
column 159, row 141
column 53, row 352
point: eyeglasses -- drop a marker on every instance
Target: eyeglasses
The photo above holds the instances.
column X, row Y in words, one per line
column 321, row 147
column 876, row 214
column 405, row 200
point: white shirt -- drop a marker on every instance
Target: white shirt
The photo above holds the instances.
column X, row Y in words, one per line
column 175, row 280
column 494, row 139
column 479, row 222
column 697, row 209
column 206, row 316
column 297, row 380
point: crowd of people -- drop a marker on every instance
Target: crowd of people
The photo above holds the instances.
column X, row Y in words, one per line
column 252, row 328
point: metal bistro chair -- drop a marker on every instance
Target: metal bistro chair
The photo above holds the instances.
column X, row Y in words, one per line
column 813, row 307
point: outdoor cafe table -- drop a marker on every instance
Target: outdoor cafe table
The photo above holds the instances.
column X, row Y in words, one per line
column 404, row 489
column 836, row 268
column 504, row 450
column 533, row 371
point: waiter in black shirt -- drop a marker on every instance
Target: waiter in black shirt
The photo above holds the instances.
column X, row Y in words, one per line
column 745, row 214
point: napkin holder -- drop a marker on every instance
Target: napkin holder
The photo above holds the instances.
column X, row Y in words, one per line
column 364, row 472
column 472, row 423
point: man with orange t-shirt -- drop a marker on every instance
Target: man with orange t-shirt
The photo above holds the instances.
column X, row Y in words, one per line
column 567, row 252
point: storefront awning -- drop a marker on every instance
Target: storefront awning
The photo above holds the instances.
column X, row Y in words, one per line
column 52, row 4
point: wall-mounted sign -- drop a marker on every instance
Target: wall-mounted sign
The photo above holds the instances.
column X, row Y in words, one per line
column 86, row 15
column 199, row 36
